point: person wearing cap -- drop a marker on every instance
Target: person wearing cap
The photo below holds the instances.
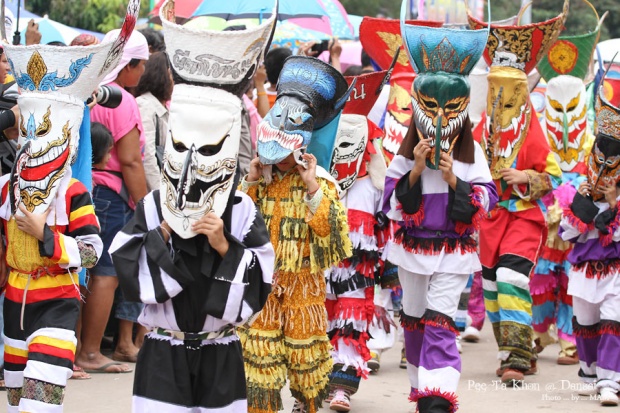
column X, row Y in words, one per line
column 116, row 191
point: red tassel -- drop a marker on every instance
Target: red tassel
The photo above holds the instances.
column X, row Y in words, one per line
column 607, row 239
column 415, row 219
column 436, row 392
column 599, row 269
column 476, row 220
column 572, row 219
column 361, row 222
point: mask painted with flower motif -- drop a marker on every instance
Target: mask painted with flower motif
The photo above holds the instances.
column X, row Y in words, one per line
column 440, row 107
column 200, row 155
column 509, row 116
column 566, row 120
column 399, row 114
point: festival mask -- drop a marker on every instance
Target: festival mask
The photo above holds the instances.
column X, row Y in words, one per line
column 442, row 58
column 54, row 82
column 311, row 93
column 381, row 38
column 353, row 148
column 200, row 154
column 565, row 69
column 604, row 160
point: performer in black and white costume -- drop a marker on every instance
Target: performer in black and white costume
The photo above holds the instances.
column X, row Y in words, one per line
column 197, row 251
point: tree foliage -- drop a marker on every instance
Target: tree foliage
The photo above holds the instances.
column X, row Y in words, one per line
column 95, row 15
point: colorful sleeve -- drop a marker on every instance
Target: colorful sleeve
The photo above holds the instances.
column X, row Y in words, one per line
column 399, row 168
column 578, row 218
column 80, row 245
column 329, row 229
column 540, row 183
column 242, row 283
column 250, row 188
column 148, row 270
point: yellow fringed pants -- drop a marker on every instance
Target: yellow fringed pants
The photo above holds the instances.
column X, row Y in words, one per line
column 289, row 336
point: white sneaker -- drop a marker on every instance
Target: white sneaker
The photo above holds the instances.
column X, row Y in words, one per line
column 609, row 396
column 458, row 344
column 471, row 334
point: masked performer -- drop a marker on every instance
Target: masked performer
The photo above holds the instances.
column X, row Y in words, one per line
column 524, row 170
column 49, row 221
column 564, row 69
column 359, row 168
column 309, row 231
column 197, row 252
column 439, row 188
column 592, row 223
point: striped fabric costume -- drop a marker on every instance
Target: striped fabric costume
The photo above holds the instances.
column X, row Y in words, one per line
column 569, row 137
column 359, row 168
column 594, row 280
column 42, row 295
column 195, row 294
column 513, row 141
column 289, row 338
column 434, row 248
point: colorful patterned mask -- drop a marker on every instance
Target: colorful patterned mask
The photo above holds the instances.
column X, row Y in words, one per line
column 442, row 58
column 200, row 155
column 565, row 68
column 54, row 83
column 311, row 94
column 513, row 52
column 353, row 148
column 604, row 160
column 381, row 38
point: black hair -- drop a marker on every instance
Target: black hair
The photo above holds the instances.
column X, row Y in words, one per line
column 154, row 39
column 56, row 43
column 101, row 140
column 156, row 78
column 134, row 62
column 365, row 59
column 274, row 62
column 353, row 70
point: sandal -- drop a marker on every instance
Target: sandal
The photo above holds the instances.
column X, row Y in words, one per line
column 341, row 401
column 79, row 374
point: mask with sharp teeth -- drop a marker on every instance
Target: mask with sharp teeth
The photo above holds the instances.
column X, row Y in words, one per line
column 311, row 94
column 566, row 69
column 54, row 82
column 212, row 69
column 604, row 159
column 442, row 58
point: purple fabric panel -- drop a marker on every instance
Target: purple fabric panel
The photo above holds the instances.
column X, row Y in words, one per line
column 491, row 192
column 593, row 250
column 587, row 349
column 413, row 346
column 436, row 212
column 390, row 184
column 609, row 352
column 475, row 307
column 439, row 349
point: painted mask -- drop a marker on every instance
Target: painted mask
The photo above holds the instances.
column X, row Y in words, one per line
column 604, row 160
column 311, row 94
column 442, row 58
column 399, row 113
column 200, row 154
column 566, row 120
column 54, row 83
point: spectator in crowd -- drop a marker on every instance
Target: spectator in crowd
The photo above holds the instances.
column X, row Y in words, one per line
column 274, row 61
column 155, row 40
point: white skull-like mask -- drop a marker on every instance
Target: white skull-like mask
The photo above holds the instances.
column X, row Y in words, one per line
column 349, row 149
column 200, row 155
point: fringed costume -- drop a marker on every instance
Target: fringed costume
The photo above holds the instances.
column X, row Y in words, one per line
column 42, row 302
column 309, row 232
column 198, row 285
column 513, row 142
column 434, row 247
column 359, row 169
column 569, row 137
column 594, row 280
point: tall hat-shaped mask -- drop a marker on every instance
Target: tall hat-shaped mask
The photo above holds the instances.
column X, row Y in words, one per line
column 513, row 52
column 565, row 69
column 442, row 58
column 311, row 94
column 604, row 160
column 212, row 69
column 357, row 152
column 54, row 83
column 381, row 39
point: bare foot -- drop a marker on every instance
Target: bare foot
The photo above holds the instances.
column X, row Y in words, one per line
column 92, row 362
column 79, row 373
column 127, row 353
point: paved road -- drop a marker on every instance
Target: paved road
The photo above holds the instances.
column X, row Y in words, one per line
column 479, row 392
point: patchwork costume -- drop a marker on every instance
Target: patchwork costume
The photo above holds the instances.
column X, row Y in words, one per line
column 309, row 234
column 359, row 169
column 511, row 137
column 594, row 278
column 434, row 248
column 565, row 69
column 192, row 361
column 41, row 306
